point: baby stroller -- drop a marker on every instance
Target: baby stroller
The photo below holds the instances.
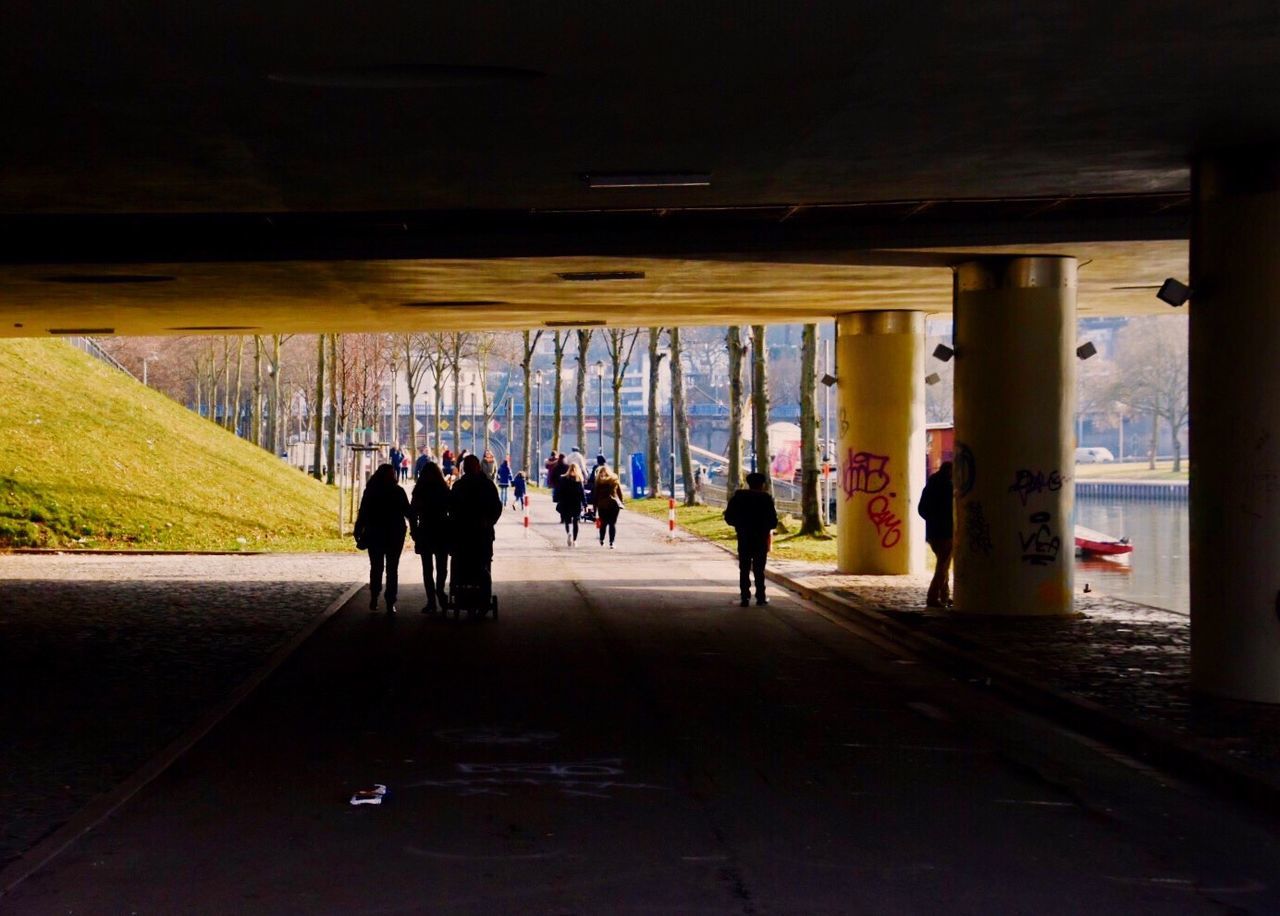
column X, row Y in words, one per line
column 471, row 584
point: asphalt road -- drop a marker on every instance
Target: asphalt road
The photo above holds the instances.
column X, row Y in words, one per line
column 625, row 738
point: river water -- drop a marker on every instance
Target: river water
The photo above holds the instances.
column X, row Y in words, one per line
column 1158, row 570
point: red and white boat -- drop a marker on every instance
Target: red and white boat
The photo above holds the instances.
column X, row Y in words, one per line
column 1090, row 543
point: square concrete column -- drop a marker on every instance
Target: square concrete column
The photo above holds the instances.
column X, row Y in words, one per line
column 1235, row 426
column 881, row 447
column 1015, row 330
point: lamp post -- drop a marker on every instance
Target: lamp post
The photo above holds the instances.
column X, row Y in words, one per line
column 473, row 421
column 600, row 407
column 536, row 470
column 673, row 432
column 145, row 360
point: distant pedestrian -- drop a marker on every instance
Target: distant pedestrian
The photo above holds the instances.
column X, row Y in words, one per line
column 395, row 458
column 424, row 458
column 937, row 508
column 568, row 500
column 606, row 496
column 446, row 463
column 404, row 467
column 549, row 469
column 578, row 460
column 752, row 513
column 558, row 472
column 519, row 487
column 380, row 529
column 504, row 480
column 430, row 505
column 488, row 465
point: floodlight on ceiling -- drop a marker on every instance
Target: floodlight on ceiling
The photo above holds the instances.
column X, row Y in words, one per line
column 81, row 332
column 943, row 352
column 595, row 276
column 576, row 323
column 828, row 379
column 612, row 180
column 932, row 378
column 1174, row 292
column 1086, row 350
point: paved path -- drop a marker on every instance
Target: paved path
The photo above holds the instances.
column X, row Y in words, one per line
column 627, row 739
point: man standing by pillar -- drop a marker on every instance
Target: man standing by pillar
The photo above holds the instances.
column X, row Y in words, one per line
column 751, row 512
column 936, row 508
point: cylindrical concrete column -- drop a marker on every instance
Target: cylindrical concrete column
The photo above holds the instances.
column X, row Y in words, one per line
column 1235, row 427
column 1015, row 329
column 881, row 449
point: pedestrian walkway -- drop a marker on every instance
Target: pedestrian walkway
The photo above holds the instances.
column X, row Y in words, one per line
column 625, row 738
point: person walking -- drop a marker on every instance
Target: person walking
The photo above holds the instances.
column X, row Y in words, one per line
column 430, row 504
column 488, row 465
column 424, row 458
column 380, row 529
column 395, row 458
column 751, row 512
column 937, row 508
column 504, row 480
column 606, row 496
column 558, row 472
column 474, row 508
column 519, row 487
column 446, row 462
column 568, row 499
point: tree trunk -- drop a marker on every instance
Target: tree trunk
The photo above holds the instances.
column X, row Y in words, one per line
column 413, row 397
column 484, row 399
column 617, row 424
column 235, row 413
column 318, row 407
column 760, row 402
column 525, row 364
column 811, row 516
column 226, row 379
column 1155, row 437
column 691, row 495
column 652, row 449
column 737, row 403
column 256, row 421
column 580, row 391
column 273, row 437
column 333, row 408
column 457, row 407
column 437, row 405
column 558, row 395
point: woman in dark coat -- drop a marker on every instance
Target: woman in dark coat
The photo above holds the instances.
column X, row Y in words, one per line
column 430, row 505
column 937, row 509
column 606, row 496
column 568, row 498
column 380, row 529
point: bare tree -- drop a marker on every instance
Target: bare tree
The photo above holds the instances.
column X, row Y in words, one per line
column 437, row 353
column 255, row 422
column 417, row 362
column 737, row 405
column 333, row 408
column 318, row 407
column 810, row 511
column 691, row 495
column 561, row 341
column 530, row 341
column 583, row 336
column 760, row 401
column 1152, row 359
column 234, row 420
column 652, row 449
column 621, row 344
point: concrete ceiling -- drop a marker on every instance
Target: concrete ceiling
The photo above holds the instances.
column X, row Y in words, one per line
column 957, row 126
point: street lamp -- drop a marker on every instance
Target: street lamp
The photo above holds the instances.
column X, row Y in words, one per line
column 536, row 470
column 600, row 410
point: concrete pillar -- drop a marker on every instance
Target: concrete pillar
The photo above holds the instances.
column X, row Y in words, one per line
column 1015, row 330
column 881, row 447
column 1235, row 426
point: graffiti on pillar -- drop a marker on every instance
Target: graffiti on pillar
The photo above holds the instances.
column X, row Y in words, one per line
column 1028, row 483
column 1040, row 546
column 864, row 473
column 977, row 531
column 964, row 470
column 888, row 525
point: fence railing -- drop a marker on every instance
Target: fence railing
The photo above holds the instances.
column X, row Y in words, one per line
column 94, row 349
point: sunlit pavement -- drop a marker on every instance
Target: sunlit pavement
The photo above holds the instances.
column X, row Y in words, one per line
column 626, row 738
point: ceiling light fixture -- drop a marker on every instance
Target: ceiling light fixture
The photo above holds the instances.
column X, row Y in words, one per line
column 577, row 323
column 607, row 180
column 409, row 76
column 1174, row 292
column 943, row 352
column 591, row 276
column 1086, row 350
column 107, row 279
column 451, row 303
column 80, row 332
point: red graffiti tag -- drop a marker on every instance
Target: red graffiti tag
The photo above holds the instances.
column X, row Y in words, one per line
column 888, row 525
column 864, row 473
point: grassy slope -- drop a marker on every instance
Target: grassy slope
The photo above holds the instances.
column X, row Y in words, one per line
column 708, row 522
column 91, row 458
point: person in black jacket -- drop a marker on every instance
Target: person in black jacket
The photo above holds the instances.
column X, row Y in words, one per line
column 568, row 496
column 380, row 528
column 937, row 509
column 474, row 510
column 752, row 513
column 430, row 505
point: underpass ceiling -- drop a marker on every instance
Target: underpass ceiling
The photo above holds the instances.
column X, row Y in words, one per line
column 517, row 293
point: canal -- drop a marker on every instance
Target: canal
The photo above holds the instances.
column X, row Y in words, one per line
column 1158, row 570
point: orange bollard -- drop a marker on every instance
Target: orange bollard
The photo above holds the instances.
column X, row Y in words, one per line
column 671, row 519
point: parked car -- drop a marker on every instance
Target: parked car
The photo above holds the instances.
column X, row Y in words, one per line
column 1094, row 455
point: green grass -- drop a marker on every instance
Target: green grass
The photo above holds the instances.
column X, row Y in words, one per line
column 90, row 458
column 708, row 522
column 1132, row 470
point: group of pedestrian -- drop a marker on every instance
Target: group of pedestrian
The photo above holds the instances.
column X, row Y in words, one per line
column 449, row 521
column 580, row 494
